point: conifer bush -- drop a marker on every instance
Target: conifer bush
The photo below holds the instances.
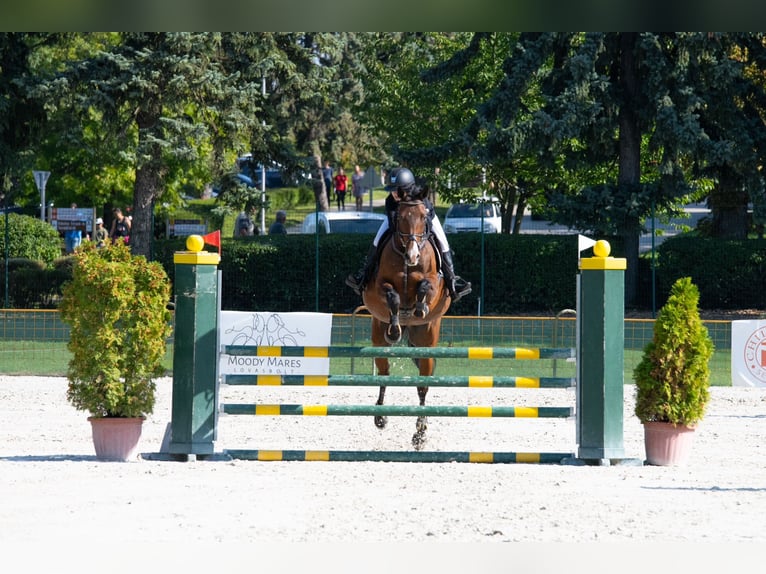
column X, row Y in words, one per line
column 673, row 377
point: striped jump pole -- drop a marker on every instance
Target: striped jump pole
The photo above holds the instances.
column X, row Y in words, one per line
column 395, row 410
column 400, row 456
column 475, row 353
column 470, row 381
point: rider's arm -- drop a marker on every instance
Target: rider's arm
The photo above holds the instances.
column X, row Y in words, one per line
column 431, row 210
column 391, row 206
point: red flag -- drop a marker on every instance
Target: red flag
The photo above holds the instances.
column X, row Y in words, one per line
column 213, row 238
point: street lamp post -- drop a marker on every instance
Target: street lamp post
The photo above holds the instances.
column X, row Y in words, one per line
column 5, row 194
column 263, row 170
column 481, row 296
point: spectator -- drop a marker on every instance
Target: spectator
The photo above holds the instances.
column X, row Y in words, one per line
column 121, row 226
column 73, row 236
column 101, row 235
column 341, row 182
column 279, row 225
column 357, row 188
column 327, row 175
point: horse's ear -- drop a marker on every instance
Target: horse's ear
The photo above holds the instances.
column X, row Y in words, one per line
column 419, row 193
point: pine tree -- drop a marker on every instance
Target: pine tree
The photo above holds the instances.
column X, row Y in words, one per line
column 615, row 126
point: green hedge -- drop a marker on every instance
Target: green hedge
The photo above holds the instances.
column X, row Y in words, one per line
column 29, row 238
column 523, row 274
column 729, row 274
column 32, row 284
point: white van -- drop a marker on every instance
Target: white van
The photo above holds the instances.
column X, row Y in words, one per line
column 343, row 222
column 465, row 217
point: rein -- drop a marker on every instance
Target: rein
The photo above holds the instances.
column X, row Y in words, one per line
column 399, row 242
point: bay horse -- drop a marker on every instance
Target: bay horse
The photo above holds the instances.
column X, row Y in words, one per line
column 407, row 296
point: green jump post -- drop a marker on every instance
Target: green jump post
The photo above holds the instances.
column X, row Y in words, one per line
column 195, row 356
column 601, row 357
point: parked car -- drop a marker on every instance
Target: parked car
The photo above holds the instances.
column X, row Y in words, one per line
column 464, row 217
column 250, row 173
column 343, row 222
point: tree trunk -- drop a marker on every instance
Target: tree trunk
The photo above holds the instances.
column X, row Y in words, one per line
column 521, row 207
column 728, row 204
column 321, row 193
column 510, row 224
column 629, row 167
column 145, row 191
column 148, row 184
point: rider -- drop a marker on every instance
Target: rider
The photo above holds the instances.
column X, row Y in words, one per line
column 401, row 181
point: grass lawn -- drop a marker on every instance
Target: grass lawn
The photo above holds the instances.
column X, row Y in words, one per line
column 45, row 358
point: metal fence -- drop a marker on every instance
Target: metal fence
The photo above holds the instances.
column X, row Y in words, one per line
column 34, row 342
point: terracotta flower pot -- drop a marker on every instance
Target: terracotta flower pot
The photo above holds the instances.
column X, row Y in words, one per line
column 116, row 438
column 666, row 444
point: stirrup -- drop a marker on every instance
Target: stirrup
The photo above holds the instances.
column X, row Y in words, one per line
column 461, row 290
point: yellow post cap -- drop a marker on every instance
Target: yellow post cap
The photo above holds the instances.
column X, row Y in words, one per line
column 602, row 260
column 195, row 243
column 195, row 254
column 602, row 248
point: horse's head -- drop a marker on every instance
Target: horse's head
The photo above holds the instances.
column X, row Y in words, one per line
column 411, row 230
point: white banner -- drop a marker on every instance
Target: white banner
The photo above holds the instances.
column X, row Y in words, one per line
column 269, row 329
column 748, row 353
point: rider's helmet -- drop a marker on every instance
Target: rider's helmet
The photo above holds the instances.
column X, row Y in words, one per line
column 400, row 177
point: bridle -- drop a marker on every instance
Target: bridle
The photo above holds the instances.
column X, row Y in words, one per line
column 409, row 245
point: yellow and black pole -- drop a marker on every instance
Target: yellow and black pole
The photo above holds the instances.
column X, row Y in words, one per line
column 600, row 358
column 195, row 356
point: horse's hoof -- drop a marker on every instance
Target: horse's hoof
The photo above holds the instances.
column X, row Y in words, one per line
column 419, row 440
column 421, row 312
column 394, row 334
column 381, row 422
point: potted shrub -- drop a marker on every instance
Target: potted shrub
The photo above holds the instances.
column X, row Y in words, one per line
column 673, row 377
column 116, row 307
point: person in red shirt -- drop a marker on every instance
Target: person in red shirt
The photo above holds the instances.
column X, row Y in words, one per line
column 341, row 184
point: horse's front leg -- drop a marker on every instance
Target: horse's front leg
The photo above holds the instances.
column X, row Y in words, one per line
column 421, row 303
column 382, row 366
column 394, row 330
column 421, row 424
column 426, row 368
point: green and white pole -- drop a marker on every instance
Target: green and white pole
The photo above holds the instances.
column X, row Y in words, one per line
column 600, row 358
column 195, row 353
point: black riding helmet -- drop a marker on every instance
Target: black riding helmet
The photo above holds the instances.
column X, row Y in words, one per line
column 399, row 177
